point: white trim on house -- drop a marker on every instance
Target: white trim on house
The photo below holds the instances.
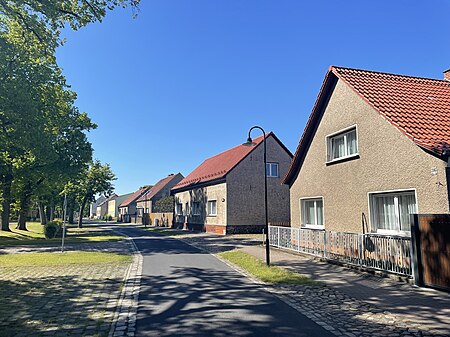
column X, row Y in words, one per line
column 373, row 227
column 337, row 133
column 302, row 224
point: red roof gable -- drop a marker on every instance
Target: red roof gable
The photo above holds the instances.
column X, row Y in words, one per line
column 158, row 187
column 418, row 107
column 218, row 166
column 134, row 197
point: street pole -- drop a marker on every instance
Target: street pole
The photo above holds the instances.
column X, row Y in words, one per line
column 266, row 217
column 64, row 222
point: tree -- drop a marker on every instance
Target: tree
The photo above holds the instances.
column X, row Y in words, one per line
column 33, row 91
column 165, row 205
column 97, row 179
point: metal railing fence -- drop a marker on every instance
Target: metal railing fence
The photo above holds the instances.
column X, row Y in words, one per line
column 381, row 252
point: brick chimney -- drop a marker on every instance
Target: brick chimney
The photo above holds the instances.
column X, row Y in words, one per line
column 447, row 75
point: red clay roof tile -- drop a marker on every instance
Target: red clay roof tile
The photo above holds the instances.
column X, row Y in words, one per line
column 219, row 165
column 418, row 107
column 158, row 187
column 134, row 197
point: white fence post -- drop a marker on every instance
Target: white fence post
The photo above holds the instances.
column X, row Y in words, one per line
column 279, row 237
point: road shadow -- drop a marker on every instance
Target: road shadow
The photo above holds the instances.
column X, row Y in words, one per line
column 207, row 302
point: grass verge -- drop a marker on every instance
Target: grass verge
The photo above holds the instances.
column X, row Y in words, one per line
column 35, row 235
column 54, row 259
column 261, row 271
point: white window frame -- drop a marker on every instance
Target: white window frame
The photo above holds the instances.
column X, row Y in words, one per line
column 179, row 210
column 374, row 226
column 336, row 134
column 194, row 210
column 302, row 212
column 269, row 174
column 208, row 207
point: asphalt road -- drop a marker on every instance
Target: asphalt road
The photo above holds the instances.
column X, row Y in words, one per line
column 187, row 292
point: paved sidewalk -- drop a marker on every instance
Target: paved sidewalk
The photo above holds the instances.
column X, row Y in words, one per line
column 376, row 299
column 70, row 300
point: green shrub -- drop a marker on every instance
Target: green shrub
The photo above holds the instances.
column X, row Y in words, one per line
column 53, row 229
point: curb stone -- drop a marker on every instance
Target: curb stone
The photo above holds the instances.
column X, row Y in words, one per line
column 124, row 321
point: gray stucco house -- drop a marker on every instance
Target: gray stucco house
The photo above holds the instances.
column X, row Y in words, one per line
column 375, row 150
column 225, row 194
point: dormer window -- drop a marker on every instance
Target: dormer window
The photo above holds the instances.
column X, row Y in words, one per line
column 342, row 145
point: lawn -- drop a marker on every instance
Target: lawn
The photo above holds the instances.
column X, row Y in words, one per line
column 55, row 259
column 261, row 271
column 35, row 235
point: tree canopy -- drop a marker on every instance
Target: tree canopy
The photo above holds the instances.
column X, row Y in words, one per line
column 43, row 141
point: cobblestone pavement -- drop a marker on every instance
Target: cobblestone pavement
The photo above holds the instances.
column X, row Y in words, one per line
column 71, row 300
column 341, row 314
column 124, row 321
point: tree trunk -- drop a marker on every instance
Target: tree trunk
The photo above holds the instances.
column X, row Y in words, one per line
column 47, row 213
column 24, row 206
column 52, row 212
column 6, row 201
column 70, row 212
column 80, row 216
column 42, row 214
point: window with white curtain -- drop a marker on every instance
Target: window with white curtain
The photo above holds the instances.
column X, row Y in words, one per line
column 342, row 145
column 390, row 212
column 212, row 207
column 312, row 213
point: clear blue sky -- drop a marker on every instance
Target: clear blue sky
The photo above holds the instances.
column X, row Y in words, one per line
column 185, row 80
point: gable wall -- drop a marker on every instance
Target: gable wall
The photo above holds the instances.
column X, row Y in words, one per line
column 388, row 161
column 245, row 188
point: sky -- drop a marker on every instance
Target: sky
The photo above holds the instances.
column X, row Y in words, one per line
column 186, row 80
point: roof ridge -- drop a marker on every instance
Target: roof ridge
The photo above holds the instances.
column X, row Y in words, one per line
column 442, row 81
column 267, row 134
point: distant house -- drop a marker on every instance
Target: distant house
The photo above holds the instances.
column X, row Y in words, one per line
column 225, row 194
column 161, row 189
column 375, row 150
column 102, row 209
column 127, row 209
column 113, row 204
column 93, row 207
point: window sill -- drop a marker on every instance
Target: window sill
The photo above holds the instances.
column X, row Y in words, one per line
column 402, row 234
column 343, row 159
column 313, row 227
column 211, row 215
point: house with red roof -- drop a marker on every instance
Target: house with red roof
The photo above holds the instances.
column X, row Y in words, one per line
column 375, row 150
column 225, row 194
column 128, row 208
column 146, row 203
